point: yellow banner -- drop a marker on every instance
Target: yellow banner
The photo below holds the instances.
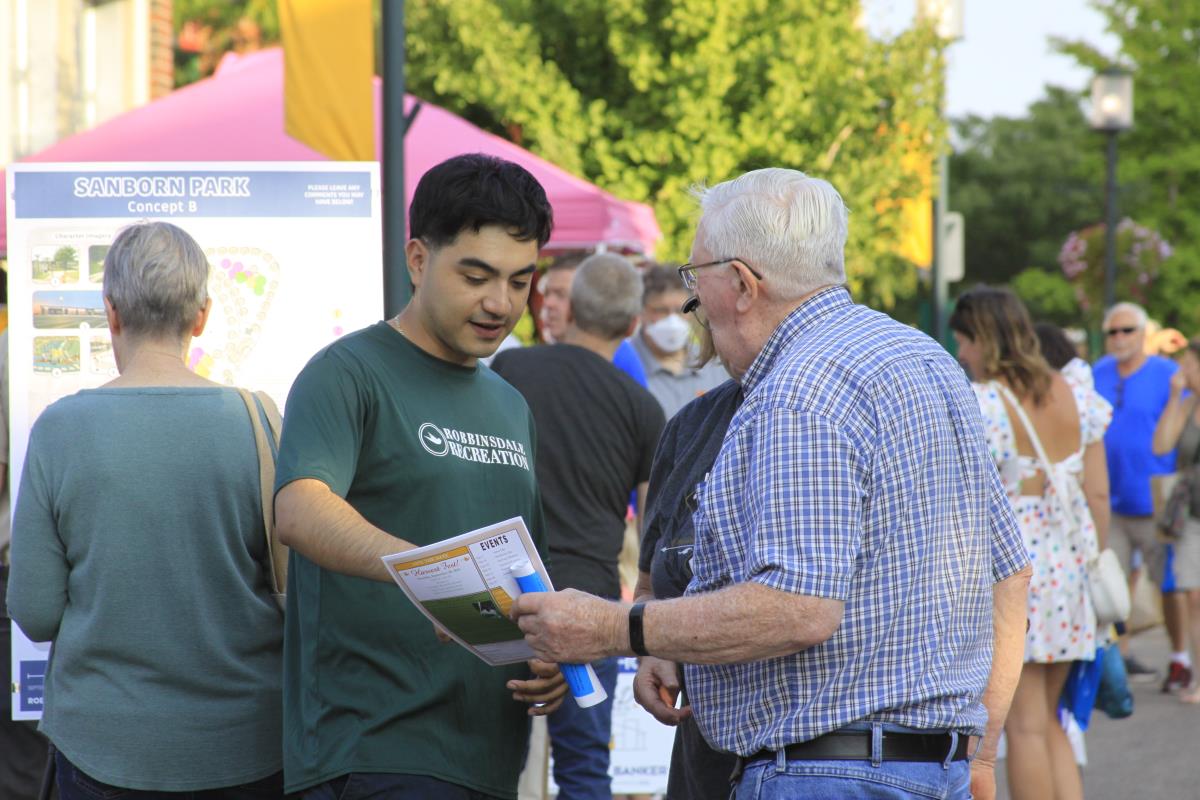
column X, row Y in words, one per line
column 329, row 60
column 915, row 224
column 916, row 213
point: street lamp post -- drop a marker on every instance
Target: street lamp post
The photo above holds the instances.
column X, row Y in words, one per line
column 947, row 16
column 1112, row 112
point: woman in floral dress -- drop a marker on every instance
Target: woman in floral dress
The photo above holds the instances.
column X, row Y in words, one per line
column 998, row 346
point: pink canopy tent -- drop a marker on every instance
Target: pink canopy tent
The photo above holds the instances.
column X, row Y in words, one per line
column 237, row 115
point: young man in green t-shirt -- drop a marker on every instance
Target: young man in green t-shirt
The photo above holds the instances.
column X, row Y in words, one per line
column 371, row 463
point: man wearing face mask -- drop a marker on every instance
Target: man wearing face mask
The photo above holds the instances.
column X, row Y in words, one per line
column 665, row 344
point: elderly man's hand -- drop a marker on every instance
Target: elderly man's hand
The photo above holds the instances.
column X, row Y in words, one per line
column 544, row 692
column 570, row 627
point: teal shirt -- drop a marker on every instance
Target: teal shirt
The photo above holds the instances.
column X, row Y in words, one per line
column 138, row 548
column 425, row 450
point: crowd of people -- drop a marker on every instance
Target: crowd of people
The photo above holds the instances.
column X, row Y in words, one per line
column 861, row 559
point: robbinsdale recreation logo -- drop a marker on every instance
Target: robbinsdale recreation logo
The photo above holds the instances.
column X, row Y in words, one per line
column 477, row 447
column 433, row 440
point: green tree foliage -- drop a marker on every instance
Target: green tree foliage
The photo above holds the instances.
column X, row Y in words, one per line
column 649, row 97
column 1024, row 185
column 66, row 258
column 1048, row 295
column 212, row 28
column 1160, row 158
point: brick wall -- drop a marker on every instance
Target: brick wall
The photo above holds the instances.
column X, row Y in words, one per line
column 162, row 49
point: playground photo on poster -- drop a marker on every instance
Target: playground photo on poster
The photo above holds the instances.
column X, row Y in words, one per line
column 78, row 309
column 55, row 264
column 55, row 354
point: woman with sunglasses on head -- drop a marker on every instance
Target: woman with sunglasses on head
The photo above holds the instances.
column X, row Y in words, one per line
column 1046, row 436
column 686, row 451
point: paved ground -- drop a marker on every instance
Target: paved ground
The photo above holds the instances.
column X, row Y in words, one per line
column 1153, row 754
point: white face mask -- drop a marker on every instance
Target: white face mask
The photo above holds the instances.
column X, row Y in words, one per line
column 669, row 334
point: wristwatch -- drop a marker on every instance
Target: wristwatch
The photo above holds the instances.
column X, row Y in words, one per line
column 637, row 641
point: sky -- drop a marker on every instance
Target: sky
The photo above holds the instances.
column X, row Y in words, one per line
column 1004, row 58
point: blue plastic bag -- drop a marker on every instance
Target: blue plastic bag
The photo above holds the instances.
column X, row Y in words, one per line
column 1079, row 692
column 1113, row 696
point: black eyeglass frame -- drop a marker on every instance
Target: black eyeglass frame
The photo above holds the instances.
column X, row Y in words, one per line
column 1124, row 329
column 687, row 272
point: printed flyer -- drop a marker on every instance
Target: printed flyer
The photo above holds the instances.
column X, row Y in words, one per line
column 465, row 586
column 295, row 251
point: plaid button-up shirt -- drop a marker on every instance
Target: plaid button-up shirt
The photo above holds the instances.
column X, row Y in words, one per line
column 857, row 470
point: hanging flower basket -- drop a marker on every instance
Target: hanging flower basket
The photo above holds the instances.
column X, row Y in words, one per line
column 1141, row 253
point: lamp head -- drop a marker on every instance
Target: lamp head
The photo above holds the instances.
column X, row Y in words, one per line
column 1112, row 101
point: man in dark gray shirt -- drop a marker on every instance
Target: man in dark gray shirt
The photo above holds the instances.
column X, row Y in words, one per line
column 596, row 434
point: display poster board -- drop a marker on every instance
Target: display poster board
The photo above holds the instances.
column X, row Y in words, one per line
column 296, row 255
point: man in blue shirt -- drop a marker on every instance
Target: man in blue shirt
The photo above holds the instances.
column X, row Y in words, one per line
column 855, row 555
column 1138, row 386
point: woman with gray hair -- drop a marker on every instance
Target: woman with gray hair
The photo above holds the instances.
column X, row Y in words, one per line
column 139, row 551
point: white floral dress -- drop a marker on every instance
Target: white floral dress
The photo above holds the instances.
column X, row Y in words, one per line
column 1062, row 623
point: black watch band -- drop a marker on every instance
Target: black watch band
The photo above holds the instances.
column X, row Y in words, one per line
column 637, row 641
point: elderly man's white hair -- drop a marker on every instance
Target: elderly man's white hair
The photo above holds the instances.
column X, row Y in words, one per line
column 1138, row 312
column 786, row 225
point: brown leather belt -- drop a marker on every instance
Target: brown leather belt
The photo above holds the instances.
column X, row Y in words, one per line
column 856, row 746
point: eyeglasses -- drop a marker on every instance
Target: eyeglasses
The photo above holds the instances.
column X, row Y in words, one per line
column 692, row 306
column 688, row 271
column 1111, row 332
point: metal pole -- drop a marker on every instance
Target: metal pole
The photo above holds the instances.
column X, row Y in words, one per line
column 1110, row 225
column 938, row 270
column 395, row 269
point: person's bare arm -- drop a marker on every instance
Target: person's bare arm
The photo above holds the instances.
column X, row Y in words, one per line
column 1095, row 489
column 1173, row 418
column 722, row 627
column 1009, row 607
column 725, row 627
column 643, row 590
column 325, row 529
column 641, row 508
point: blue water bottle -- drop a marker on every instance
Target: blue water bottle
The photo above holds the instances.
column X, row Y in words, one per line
column 581, row 678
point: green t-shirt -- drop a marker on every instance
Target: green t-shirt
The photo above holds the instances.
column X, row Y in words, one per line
column 367, row 685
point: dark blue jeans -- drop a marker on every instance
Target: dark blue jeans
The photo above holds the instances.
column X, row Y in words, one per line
column 579, row 742
column 382, row 786
column 75, row 784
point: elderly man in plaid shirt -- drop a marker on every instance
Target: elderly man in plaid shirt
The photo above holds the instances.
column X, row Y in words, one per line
column 857, row 611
